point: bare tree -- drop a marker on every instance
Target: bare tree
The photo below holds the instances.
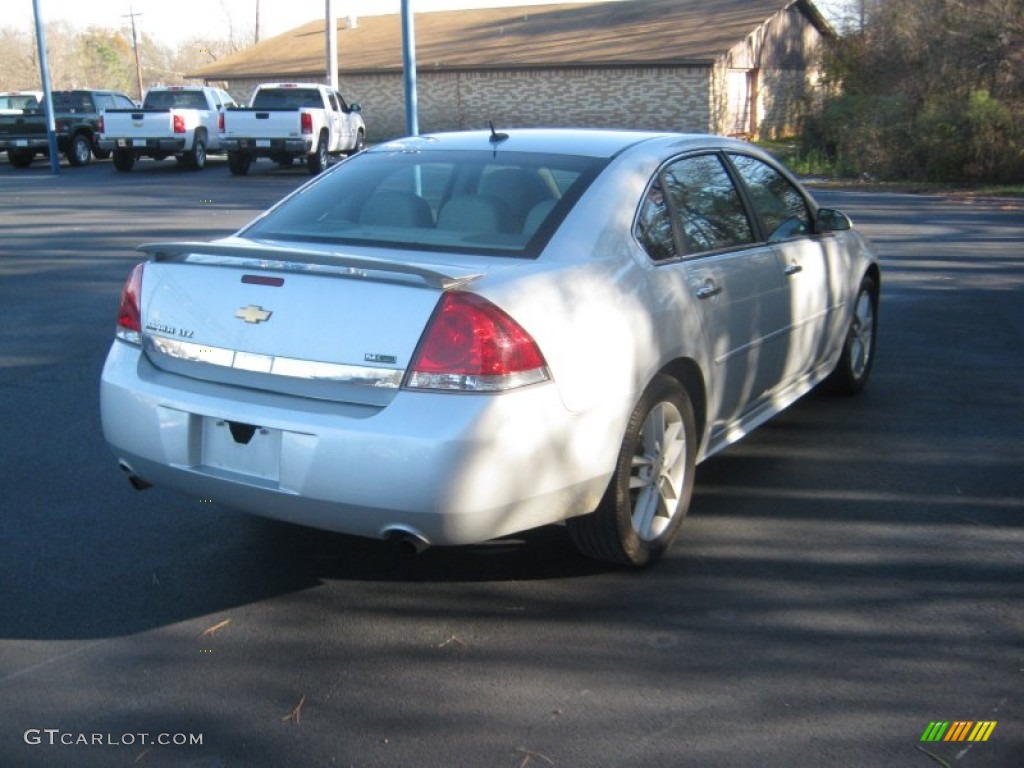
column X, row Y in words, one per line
column 929, row 88
column 101, row 57
column 19, row 67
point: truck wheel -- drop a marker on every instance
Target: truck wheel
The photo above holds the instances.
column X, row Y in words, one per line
column 124, row 160
column 80, row 151
column 196, row 157
column 318, row 160
column 20, row 158
column 360, row 143
column 239, row 162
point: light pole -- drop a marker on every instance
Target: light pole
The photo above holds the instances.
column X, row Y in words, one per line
column 412, row 118
column 44, row 70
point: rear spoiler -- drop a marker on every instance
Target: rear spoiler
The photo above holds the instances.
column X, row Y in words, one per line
column 275, row 257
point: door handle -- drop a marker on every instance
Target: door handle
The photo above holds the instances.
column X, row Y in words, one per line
column 792, row 269
column 708, row 290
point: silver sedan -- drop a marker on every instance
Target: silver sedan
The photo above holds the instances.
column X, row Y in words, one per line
column 452, row 338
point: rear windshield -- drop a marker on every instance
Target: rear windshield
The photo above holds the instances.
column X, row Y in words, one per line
column 18, row 101
column 482, row 202
column 288, row 98
column 175, row 100
column 72, row 102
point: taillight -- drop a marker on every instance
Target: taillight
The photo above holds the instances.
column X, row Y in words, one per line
column 220, row 122
column 307, row 122
column 179, row 124
column 129, row 315
column 470, row 345
column 99, row 124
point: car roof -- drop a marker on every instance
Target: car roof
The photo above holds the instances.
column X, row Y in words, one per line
column 564, row 141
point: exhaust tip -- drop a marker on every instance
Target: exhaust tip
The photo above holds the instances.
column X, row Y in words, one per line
column 136, row 482
column 407, row 542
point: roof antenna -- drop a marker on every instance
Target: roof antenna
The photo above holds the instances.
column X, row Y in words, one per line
column 496, row 138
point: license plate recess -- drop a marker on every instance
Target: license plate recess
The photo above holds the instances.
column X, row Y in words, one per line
column 244, row 449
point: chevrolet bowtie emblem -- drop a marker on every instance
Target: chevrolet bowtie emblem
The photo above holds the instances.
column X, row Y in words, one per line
column 253, row 314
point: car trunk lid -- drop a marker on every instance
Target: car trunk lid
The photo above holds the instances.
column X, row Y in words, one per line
column 295, row 321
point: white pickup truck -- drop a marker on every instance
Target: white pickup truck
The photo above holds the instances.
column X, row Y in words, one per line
column 180, row 120
column 289, row 120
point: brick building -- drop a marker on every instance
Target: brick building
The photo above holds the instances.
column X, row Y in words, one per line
column 740, row 67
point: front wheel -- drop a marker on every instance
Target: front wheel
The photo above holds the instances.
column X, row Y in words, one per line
column 124, row 160
column 649, row 493
column 239, row 162
column 319, row 159
column 80, row 151
column 195, row 158
column 360, row 144
column 858, row 357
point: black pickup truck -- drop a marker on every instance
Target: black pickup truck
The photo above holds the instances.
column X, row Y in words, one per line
column 76, row 114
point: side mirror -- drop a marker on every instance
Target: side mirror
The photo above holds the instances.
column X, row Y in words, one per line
column 831, row 220
column 354, row 107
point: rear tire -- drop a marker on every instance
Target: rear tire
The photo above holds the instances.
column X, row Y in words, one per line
column 649, row 493
column 20, row 158
column 80, row 150
column 854, row 367
column 239, row 162
column 124, row 160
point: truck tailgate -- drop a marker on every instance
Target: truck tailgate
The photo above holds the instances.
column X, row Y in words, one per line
column 262, row 123
column 29, row 124
column 136, row 123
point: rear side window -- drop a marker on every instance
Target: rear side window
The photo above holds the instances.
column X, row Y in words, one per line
column 782, row 209
column 468, row 201
column 692, row 207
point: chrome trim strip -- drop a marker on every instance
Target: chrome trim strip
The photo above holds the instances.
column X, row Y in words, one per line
column 359, row 375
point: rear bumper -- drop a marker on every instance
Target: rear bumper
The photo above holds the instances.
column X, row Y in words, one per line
column 36, row 144
column 143, row 146
column 450, row 468
column 268, row 147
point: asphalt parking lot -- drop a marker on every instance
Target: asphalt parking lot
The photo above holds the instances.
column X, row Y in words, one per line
column 850, row 573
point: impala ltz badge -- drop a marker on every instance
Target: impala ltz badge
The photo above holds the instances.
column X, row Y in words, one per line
column 253, row 314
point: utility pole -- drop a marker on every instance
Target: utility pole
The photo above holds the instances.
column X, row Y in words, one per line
column 256, row 37
column 135, row 46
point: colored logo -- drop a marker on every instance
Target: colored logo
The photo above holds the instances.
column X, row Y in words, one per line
column 959, row 730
